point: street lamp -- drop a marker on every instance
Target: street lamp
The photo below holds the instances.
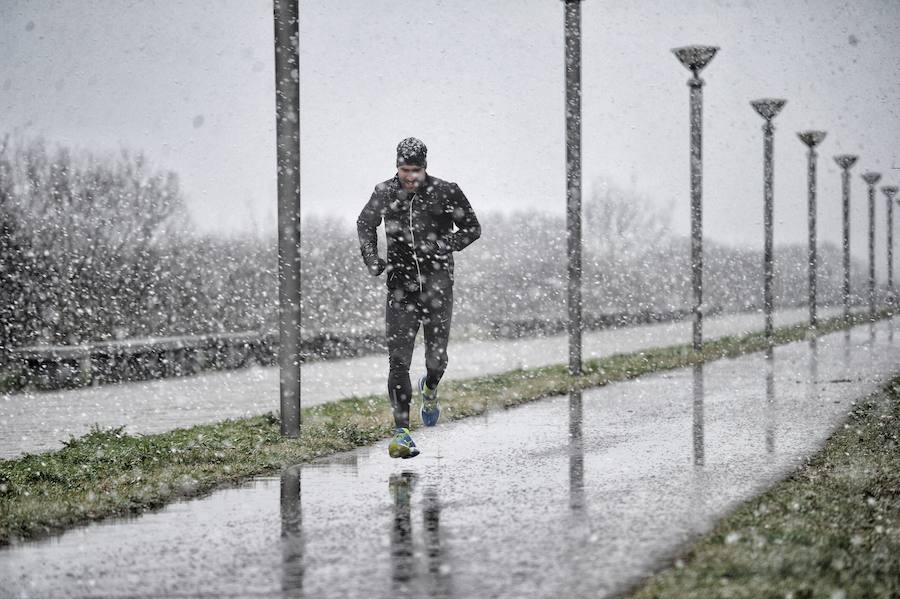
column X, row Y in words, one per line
column 890, row 191
column 287, row 139
column 768, row 108
column 573, row 178
column 696, row 58
column 812, row 139
column 871, row 179
column 846, row 161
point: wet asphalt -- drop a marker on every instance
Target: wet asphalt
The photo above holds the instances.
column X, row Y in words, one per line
column 32, row 422
column 574, row 496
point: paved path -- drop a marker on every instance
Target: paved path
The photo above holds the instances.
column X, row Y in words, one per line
column 34, row 422
column 573, row 496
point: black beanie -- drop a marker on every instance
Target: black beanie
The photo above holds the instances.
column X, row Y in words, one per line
column 411, row 152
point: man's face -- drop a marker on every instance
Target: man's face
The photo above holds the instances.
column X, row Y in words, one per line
column 411, row 177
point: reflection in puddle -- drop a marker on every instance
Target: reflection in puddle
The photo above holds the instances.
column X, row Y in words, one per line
column 401, row 488
column 812, row 384
column 438, row 570
column 698, row 415
column 770, row 400
column 576, row 452
column 404, row 569
column 846, row 348
column 291, row 533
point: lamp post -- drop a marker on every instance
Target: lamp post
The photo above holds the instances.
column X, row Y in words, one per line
column 846, row 161
column 812, row 139
column 871, row 179
column 287, row 111
column 696, row 58
column 890, row 191
column 573, row 178
column 768, row 108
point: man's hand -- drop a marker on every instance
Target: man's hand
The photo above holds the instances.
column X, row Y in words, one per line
column 434, row 248
column 376, row 266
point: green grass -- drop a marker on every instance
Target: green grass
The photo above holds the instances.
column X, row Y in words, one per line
column 110, row 473
column 8, row 381
column 832, row 529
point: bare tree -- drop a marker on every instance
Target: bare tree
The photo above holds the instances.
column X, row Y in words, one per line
column 86, row 231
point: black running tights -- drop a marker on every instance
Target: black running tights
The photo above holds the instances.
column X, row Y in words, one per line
column 404, row 313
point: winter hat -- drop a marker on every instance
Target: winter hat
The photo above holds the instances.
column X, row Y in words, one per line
column 411, row 152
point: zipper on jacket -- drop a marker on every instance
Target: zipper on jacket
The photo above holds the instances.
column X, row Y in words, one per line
column 413, row 235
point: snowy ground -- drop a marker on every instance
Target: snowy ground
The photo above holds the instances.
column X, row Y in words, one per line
column 39, row 421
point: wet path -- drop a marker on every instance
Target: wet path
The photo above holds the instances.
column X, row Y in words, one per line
column 574, row 496
column 32, row 422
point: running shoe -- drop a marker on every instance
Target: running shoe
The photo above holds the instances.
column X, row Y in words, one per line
column 402, row 445
column 431, row 411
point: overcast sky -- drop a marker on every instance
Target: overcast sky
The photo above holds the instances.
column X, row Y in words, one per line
column 481, row 82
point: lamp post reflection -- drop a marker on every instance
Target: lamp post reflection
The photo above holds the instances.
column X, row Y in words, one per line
column 699, row 456
column 576, row 452
column 813, row 383
column 291, row 533
column 770, row 400
column 846, row 348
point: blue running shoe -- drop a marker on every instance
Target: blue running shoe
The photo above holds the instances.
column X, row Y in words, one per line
column 431, row 411
column 402, row 446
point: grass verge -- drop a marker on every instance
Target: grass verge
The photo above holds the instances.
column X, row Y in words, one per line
column 110, row 473
column 832, row 529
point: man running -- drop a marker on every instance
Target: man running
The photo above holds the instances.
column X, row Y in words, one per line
column 419, row 213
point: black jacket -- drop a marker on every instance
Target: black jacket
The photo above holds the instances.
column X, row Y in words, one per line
column 419, row 230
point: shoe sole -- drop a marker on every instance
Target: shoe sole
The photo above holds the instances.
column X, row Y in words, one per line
column 402, row 451
column 403, row 457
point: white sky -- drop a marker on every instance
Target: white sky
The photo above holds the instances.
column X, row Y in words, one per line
column 481, row 82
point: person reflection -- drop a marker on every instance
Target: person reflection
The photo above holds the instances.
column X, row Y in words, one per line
column 401, row 488
column 438, row 570
column 291, row 533
column 698, row 416
column 403, row 562
column 770, row 400
column 576, row 452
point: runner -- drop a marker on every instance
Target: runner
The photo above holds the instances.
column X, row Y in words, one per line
column 419, row 213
